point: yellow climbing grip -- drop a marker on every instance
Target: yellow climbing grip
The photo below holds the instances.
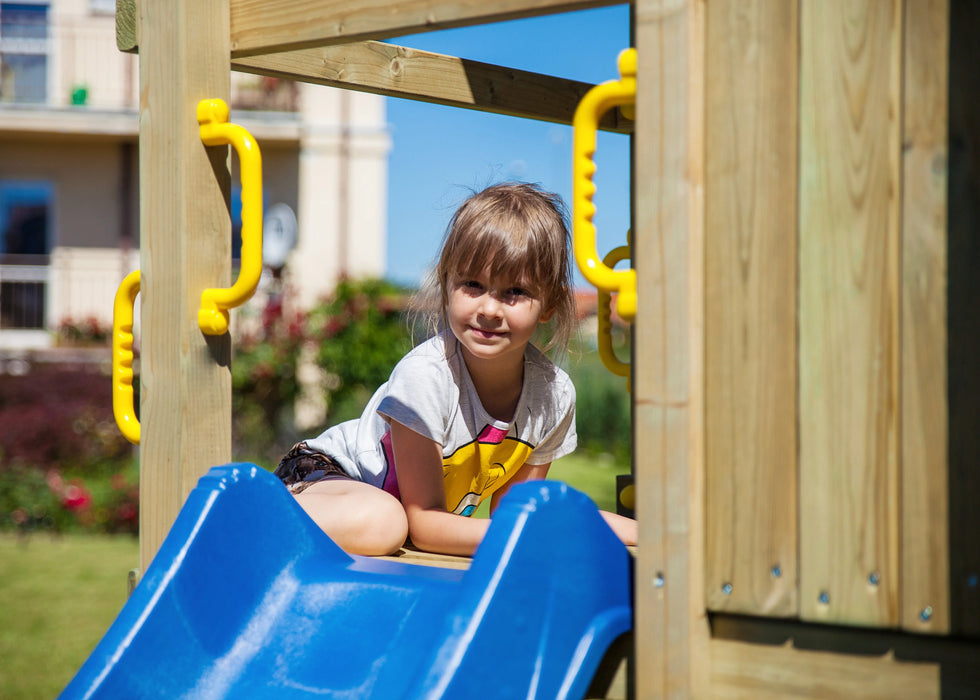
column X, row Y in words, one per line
column 604, row 318
column 212, row 115
column 596, row 102
column 123, row 406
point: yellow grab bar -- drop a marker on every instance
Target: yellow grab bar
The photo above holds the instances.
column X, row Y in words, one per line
column 604, row 318
column 123, row 405
column 212, row 115
column 597, row 101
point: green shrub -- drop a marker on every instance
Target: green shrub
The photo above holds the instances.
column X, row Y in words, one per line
column 360, row 334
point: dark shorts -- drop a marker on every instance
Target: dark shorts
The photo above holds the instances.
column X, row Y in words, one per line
column 302, row 467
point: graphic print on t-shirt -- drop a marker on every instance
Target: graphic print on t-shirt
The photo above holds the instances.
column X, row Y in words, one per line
column 481, row 467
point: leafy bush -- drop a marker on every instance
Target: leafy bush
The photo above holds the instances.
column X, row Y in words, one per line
column 360, row 334
column 264, row 381
column 602, row 411
column 356, row 336
column 60, row 417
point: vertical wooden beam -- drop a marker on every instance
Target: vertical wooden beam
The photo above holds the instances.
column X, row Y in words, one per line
column 925, row 419
column 185, row 247
column 850, row 205
column 750, row 313
column 668, row 426
column 963, row 299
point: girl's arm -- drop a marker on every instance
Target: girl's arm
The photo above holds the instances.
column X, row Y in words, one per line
column 528, row 472
column 431, row 527
column 624, row 528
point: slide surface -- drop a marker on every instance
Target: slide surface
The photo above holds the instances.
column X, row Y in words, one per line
column 247, row 598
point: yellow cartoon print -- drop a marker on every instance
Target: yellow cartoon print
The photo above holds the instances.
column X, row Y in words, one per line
column 477, row 469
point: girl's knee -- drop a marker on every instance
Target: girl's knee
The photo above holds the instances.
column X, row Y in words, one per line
column 389, row 527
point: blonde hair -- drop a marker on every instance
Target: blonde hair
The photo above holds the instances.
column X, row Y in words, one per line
column 521, row 231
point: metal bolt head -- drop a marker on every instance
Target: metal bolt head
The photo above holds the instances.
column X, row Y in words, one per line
column 873, row 578
column 726, row 588
column 658, row 581
column 926, row 613
column 824, row 598
column 776, row 571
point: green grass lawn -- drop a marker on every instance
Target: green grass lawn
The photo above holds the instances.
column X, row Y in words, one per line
column 59, row 594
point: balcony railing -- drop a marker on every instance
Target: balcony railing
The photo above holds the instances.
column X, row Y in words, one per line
column 72, row 62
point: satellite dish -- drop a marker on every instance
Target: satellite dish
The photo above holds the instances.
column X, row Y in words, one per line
column 278, row 235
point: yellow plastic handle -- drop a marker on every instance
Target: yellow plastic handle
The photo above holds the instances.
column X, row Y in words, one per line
column 604, row 318
column 212, row 115
column 123, row 406
column 597, row 101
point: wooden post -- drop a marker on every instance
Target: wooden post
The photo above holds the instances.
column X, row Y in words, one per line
column 185, row 247
column 668, row 420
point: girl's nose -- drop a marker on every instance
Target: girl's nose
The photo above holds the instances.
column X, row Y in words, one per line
column 490, row 305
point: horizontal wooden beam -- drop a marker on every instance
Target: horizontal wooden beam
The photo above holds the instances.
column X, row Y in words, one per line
column 396, row 71
column 273, row 26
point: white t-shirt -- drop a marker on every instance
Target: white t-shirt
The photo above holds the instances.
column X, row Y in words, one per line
column 430, row 391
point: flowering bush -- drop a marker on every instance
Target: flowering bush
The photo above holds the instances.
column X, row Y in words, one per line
column 86, row 331
column 356, row 336
column 360, row 334
column 32, row 499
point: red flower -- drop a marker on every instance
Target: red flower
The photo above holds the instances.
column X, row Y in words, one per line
column 76, row 497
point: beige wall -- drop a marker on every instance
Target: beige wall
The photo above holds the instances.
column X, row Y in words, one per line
column 87, row 186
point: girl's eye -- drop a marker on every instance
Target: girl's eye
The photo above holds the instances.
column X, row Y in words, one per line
column 471, row 285
column 517, row 293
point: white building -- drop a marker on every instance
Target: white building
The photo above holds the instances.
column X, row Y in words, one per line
column 69, row 168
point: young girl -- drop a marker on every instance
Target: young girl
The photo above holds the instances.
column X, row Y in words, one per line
column 468, row 413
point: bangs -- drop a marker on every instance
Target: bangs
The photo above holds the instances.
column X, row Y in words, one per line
column 504, row 255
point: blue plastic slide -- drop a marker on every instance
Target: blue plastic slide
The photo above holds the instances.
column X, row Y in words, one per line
column 247, row 598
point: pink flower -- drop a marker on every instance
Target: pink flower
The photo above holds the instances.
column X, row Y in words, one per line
column 76, row 498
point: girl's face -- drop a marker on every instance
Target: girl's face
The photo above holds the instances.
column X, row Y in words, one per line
column 493, row 318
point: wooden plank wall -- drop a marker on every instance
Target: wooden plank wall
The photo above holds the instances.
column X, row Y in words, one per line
column 925, row 417
column 850, row 93
column 750, row 317
column 830, row 422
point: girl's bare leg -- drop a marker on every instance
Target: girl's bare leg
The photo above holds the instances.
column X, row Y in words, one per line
column 358, row 517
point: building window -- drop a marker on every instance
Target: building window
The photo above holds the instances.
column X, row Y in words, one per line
column 102, row 7
column 25, row 215
column 23, row 51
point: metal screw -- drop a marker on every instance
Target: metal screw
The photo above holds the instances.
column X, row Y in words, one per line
column 824, row 597
column 658, row 580
column 776, row 571
column 926, row 613
column 726, row 588
column 873, row 578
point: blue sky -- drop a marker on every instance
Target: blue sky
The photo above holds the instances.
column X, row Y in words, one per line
column 440, row 153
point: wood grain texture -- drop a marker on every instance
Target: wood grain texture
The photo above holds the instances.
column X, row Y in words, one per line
column 925, row 422
column 850, row 85
column 750, row 314
column 127, row 26
column 762, row 672
column 185, row 237
column 396, row 71
column 671, row 631
column 271, row 26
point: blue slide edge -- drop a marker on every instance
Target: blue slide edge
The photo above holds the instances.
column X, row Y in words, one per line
column 248, row 598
